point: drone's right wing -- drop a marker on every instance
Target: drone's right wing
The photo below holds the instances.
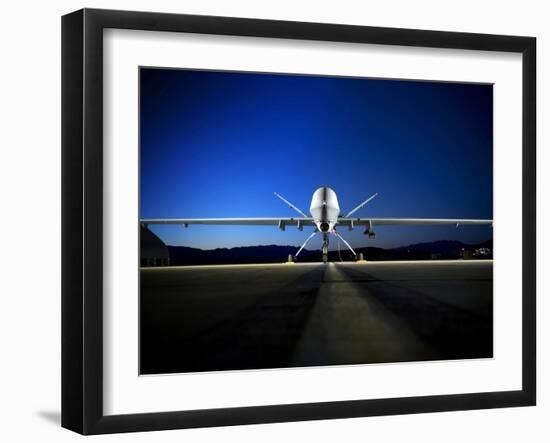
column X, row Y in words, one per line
column 280, row 222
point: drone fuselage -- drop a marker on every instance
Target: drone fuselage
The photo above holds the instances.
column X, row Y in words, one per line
column 324, row 209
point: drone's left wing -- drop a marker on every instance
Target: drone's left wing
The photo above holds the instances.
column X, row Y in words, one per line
column 350, row 222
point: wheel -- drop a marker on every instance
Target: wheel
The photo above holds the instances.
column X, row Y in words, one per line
column 325, row 259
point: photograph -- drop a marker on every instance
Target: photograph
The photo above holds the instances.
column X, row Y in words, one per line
column 293, row 220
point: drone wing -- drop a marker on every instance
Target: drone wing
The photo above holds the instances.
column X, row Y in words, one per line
column 280, row 222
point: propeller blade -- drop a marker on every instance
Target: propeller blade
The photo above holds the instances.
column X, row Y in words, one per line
column 305, row 243
column 361, row 205
column 290, row 204
column 345, row 242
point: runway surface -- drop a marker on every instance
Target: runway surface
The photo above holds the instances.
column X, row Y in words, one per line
column 209, row 318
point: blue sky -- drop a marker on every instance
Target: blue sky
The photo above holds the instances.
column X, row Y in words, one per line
column 218, row 144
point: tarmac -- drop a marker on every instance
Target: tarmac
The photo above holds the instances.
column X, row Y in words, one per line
column 235, row 317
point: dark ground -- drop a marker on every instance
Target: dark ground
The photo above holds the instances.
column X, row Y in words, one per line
column 210, row 318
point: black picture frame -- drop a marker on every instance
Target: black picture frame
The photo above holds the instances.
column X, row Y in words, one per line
column 82, row 218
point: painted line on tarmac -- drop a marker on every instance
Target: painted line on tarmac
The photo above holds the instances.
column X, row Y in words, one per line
column 348, row 326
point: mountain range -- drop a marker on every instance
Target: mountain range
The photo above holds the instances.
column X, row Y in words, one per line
column 442, row 249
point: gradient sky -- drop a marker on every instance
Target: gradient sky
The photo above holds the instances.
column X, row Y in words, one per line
column 218, row 144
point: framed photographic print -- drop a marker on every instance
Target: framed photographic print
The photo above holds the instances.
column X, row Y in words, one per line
column 269, row 221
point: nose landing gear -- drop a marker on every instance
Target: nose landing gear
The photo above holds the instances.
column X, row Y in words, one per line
column 325, row 248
